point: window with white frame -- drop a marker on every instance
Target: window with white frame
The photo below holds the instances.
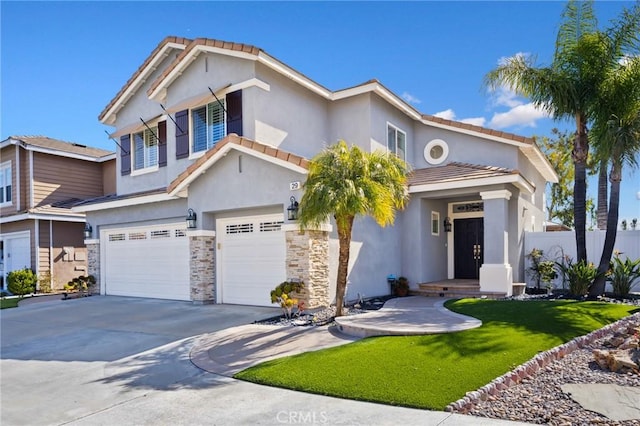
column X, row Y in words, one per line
column 208, row 126
column 5, row 183
column 145, row 148
column 435, row 223
column 396, row 141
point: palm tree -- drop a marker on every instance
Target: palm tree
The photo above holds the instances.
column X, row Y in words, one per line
column 616, row 131
column 346, row 182
column 565, row 89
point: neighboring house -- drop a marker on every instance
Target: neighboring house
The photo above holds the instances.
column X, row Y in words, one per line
column 40, row 180
column 226, row 131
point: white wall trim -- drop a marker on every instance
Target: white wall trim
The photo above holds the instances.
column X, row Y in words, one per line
column 51, row 275
column 36, row 234
column 43, row 216
column 125, row 202
column 494, row 195
column 92, row 241
column 516, row 180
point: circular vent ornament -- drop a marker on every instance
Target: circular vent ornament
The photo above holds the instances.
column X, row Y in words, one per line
column 436, row 151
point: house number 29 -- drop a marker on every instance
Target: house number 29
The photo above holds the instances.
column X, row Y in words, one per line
column 294, row 186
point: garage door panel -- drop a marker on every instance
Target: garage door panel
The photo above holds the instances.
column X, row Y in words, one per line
column 148, row 262
column 252, row 258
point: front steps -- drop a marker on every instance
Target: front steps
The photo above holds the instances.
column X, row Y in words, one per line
column 455, row 289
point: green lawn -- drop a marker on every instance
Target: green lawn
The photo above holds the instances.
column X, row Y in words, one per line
column 432, row 371
column 9, row 303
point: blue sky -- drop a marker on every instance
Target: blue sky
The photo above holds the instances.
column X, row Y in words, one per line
column 62, row 62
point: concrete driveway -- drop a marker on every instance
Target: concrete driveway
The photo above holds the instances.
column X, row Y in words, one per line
column 107, row 360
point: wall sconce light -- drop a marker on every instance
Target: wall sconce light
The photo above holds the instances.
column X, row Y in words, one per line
column 191, row 219
column 88, row 230
column 292, row 210
column 447, row 224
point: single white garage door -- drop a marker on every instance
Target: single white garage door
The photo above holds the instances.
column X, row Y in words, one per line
column 150, row 261
column 251, row 255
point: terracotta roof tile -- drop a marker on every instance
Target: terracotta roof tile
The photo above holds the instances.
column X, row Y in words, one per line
column 62, row 146
column 235, row 139
column 454, row 172
column 479, row 129
column 240, row 47
column 169, row 39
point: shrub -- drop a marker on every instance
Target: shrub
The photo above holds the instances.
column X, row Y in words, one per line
column 541, row 270
column 282, row 295
column 22, row 281
column 580, row 275
column 622, row 274
column 45, row 282
column 81, row 283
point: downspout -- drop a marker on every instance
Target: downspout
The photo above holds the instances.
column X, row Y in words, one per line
column 37, row 244
column 17, row 186
column 30, row 206
column 51, row 254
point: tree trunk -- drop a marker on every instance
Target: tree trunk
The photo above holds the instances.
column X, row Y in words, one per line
column 597, row 289
column 579, row 155
column 344, row 238
column 603, row 186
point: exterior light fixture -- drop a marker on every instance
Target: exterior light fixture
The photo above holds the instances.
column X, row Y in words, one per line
column 447, row 224
column 88, row 230
column 292, row 210
column 191, row 219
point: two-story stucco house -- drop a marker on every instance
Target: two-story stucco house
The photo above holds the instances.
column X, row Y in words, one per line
column 40, row 180
column 225, row 131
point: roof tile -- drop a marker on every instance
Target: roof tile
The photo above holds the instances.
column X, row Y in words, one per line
column 62, row 146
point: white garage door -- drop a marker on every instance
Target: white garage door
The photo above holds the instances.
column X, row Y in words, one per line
column 148, row 261
column 15, row 253
column 252, row 258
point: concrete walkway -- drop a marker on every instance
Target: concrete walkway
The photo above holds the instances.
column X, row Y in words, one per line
column 405, row 316
column 229, row 351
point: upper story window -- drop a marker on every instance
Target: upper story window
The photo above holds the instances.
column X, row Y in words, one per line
column 5, row 183
column 397, row 141
column 208, row 126
column 145, row 149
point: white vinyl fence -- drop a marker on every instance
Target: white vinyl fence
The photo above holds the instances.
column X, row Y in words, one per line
column 555, row 245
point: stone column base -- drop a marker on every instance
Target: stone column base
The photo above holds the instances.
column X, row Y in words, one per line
column 308, row 261
column 497, row 278
column 93, row 264
column 202, row 268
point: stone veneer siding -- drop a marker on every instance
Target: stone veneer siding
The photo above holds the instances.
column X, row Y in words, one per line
column 93, row 264
column 202, row 275
column 308, row 260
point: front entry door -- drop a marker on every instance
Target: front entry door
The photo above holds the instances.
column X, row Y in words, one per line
column 468, row 247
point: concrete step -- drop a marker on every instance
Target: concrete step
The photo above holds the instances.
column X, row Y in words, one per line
column 458, row 293
column 449, row 287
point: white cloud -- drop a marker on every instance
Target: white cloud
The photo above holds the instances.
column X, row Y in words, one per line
column 447, row 114
column 520, row 115
column 503, row 96
column 476, row 121
column 410, row 98
column 505, row 59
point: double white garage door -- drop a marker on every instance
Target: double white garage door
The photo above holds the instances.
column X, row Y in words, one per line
column 153, row 261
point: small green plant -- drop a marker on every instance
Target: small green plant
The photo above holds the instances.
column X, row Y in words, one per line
column 622, row 274
column 282, row 295
column 580, row 275
column 44, row 281
column 81, row 284
column 541, row 270
column 22, row 281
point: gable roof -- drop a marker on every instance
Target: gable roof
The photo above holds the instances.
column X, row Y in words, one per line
column 459, row 175
column 191, row 48
column 233, row 141
column 142, row 73
column 58, row 147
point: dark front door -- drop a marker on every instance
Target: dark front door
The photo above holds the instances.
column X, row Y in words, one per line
column 468, row 247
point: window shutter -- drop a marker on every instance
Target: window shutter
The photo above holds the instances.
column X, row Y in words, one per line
column 182, row 134
column 162, row 144
column 234, row 112
column 125, row 155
